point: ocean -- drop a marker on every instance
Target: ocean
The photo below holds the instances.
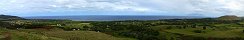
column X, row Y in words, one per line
column 111, row 17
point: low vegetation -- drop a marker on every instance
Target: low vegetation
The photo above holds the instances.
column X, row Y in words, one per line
column 167, row 29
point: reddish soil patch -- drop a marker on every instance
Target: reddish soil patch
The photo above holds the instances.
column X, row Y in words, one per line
column 7, row 36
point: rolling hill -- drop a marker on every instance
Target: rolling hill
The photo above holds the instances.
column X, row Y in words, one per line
column 229, row 17
column 32, row 34
column 8, row 17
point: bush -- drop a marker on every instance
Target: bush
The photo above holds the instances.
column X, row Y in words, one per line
column 199, row 31
column 168, row 27
column 243, row 31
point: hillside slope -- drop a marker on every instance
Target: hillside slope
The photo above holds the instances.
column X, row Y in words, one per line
column 8, row 17
column 229, row 17
column 32, row 34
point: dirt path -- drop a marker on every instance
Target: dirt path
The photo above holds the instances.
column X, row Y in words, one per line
column 6, row 36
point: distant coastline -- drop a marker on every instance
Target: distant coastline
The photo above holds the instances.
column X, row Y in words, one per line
column 113, row 17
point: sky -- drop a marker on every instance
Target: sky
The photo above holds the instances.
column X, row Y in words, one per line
column 209, row 8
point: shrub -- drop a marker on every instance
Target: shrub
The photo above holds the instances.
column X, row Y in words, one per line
column 168, row 27
column 199, row 31
column 243, row 31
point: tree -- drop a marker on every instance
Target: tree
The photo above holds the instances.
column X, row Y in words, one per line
column 86, row 27
column 8, row 25
column 2, row 23
column 198, row 31
column 194, row 26
column 205, row 26
column 243, row 31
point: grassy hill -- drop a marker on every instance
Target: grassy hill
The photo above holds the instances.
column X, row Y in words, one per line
column 220, row 32
column 35, row 34
column 229, row 17
column 8, row 17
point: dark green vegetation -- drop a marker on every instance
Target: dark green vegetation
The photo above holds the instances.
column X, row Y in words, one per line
column 167, row 29
column 8, row 17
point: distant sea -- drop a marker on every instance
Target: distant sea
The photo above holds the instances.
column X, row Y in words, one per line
column 111, row 17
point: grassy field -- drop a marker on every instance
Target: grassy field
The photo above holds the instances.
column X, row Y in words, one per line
column 34, row 34
column 77, row 25
column 220, row 31
column 216, row 34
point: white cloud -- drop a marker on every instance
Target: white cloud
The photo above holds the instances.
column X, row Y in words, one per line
column 52, row 5
column 184, row 7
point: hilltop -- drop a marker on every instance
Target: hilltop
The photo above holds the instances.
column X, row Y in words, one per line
column 8, row 17
column 229, row 17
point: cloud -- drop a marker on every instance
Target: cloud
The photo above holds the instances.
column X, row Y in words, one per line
column 53, row 5
column 221, row 7
column 203, row 7
column 156, row 7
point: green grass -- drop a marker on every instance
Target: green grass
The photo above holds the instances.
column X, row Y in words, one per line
column 227, row 25
column 220, row 31
column 77, row 25
column 83, row 35
column 6, row 34
column 34, row 34
column 210, row 33
column 30, row 36
column 242, row 23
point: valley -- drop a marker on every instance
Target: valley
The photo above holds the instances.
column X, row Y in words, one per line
column 164, row 29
